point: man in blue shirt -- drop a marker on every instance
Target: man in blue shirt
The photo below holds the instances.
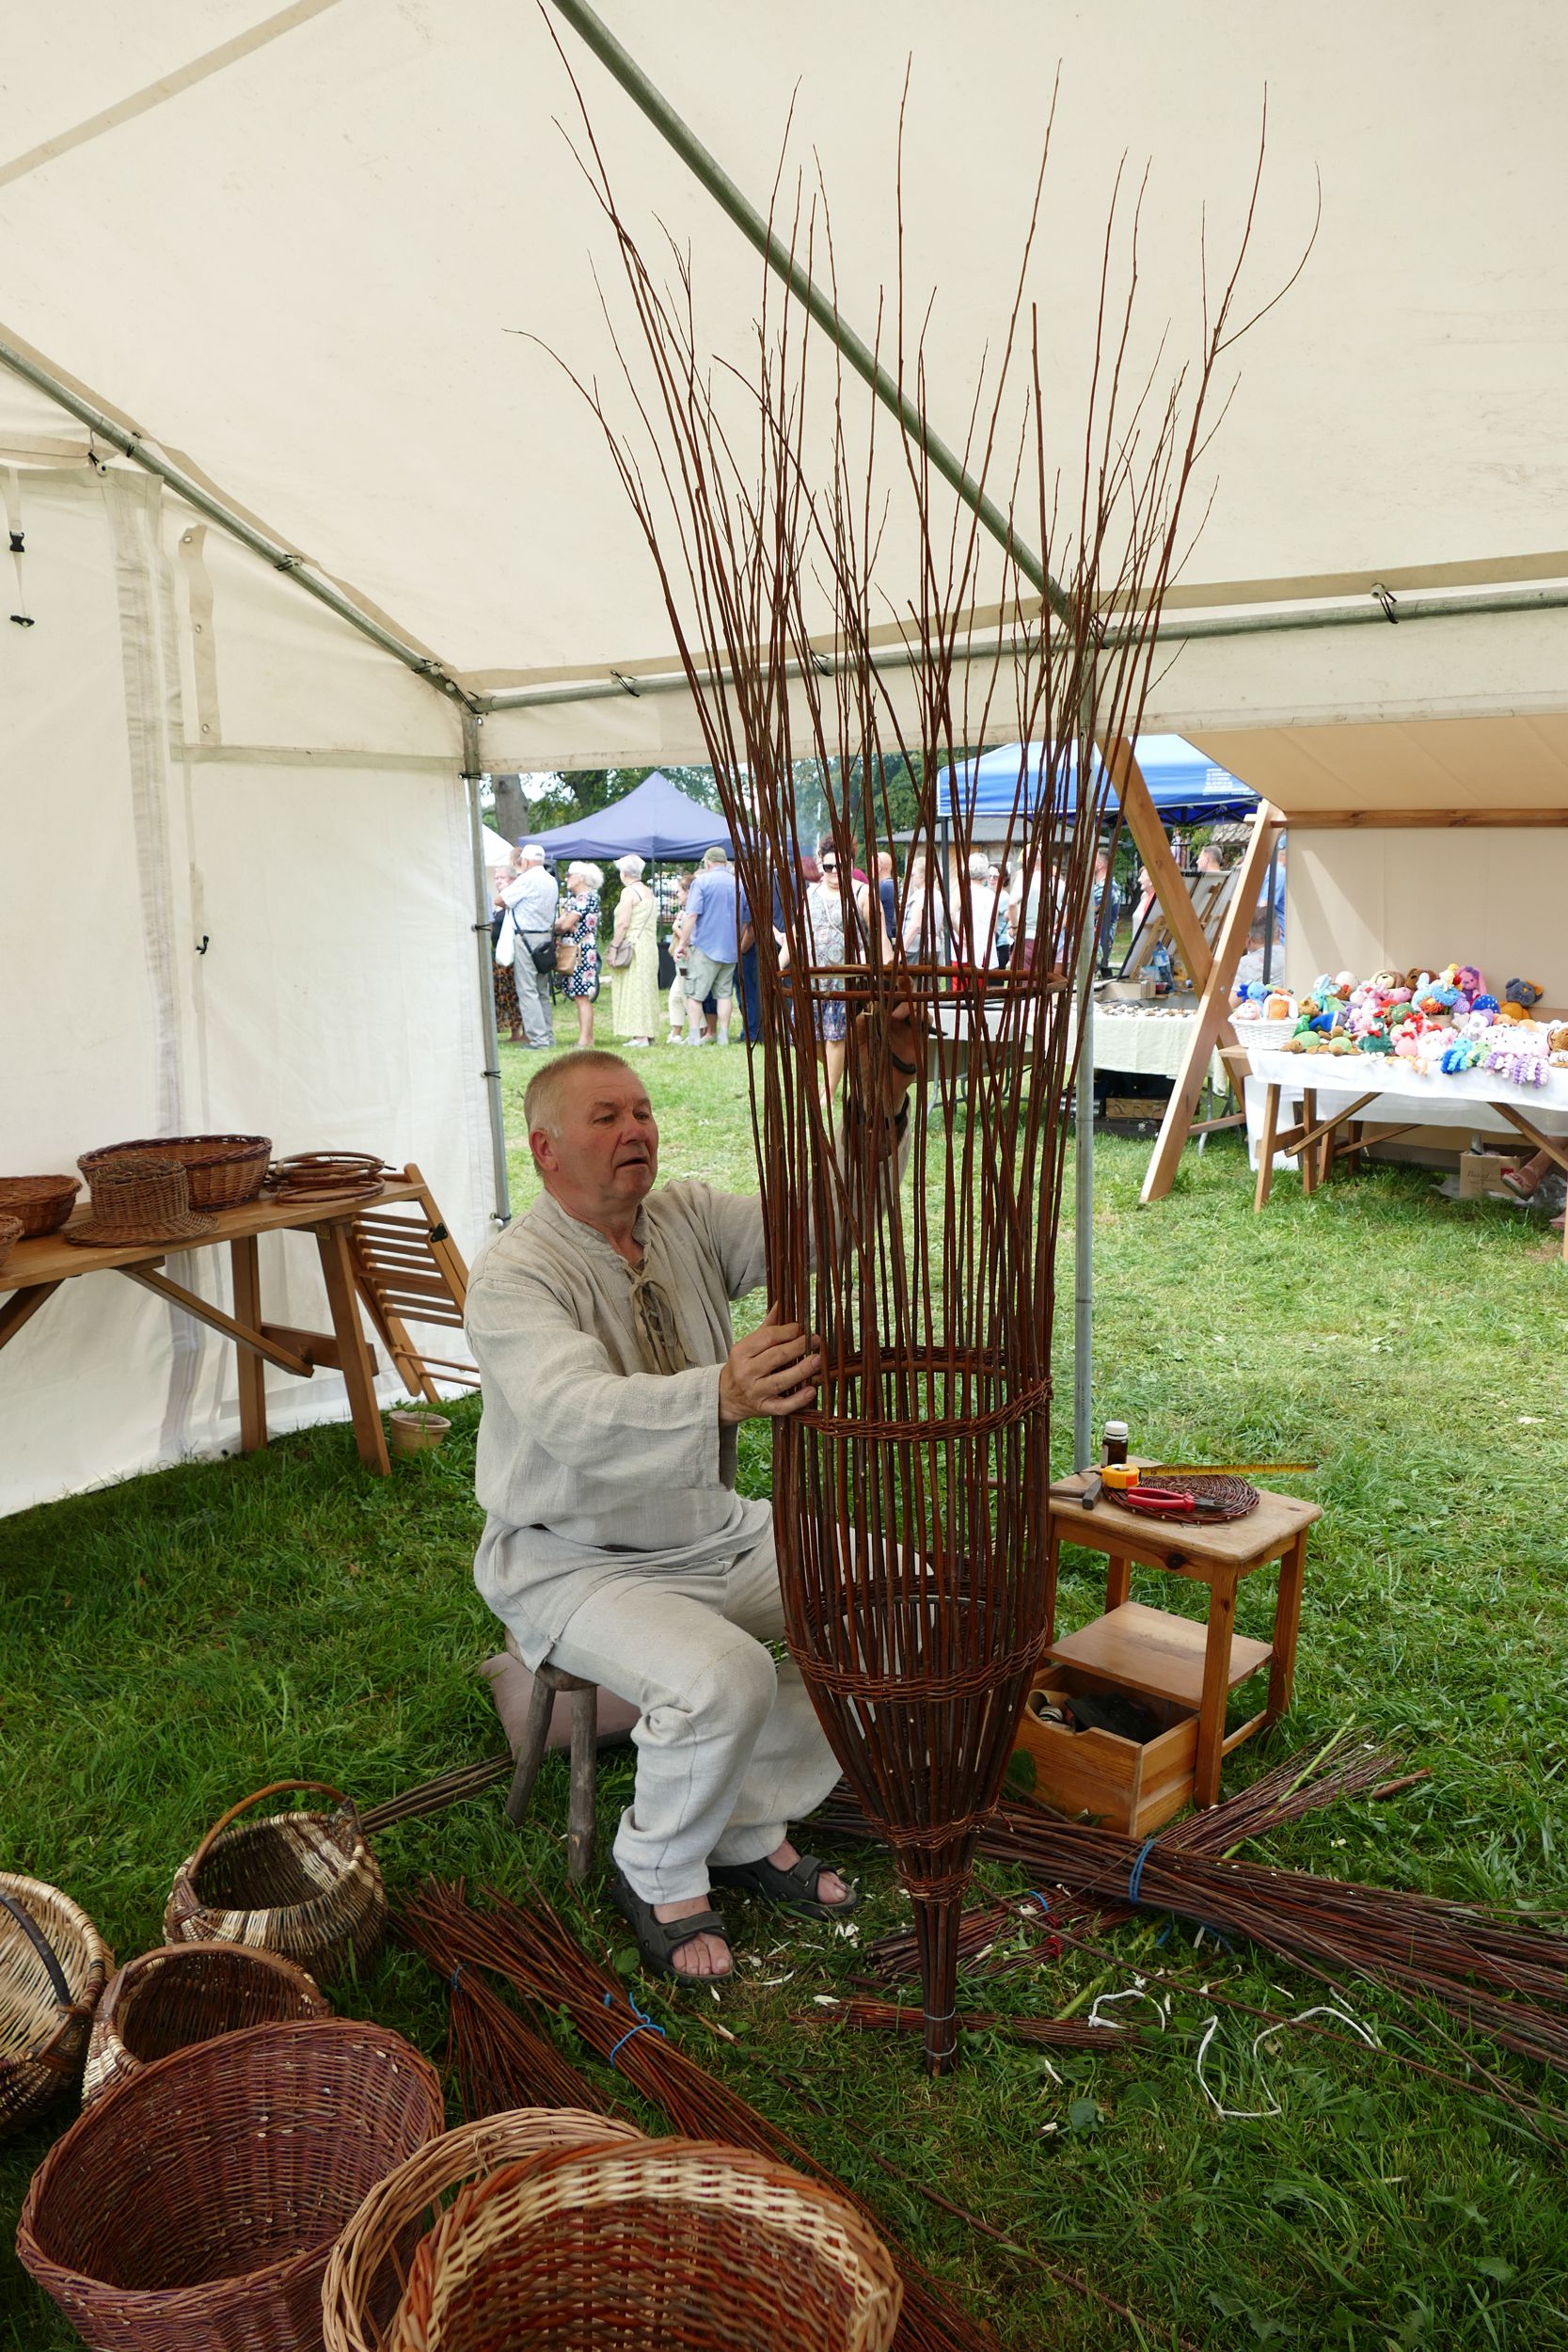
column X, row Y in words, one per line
column 710, row 930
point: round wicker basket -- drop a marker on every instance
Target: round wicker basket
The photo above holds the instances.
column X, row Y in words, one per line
column 305, row 1885
column 10, row 1233
column 222, row 1172
column 180, row 1994
column 54, row 1965
column 370, row 2262
column 196, row 2208
column 43, row 1202
column 645, row 2246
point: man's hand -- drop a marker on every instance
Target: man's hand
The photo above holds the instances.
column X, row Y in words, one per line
column 773, row 1371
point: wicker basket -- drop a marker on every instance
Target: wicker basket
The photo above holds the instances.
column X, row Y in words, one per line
column 180, row 1994
column 54, row 1965
column 222, row 1172
column 368, row 2267
column 305, row 1885
column 43, row 1202
column 198, row 2207
column 669, row 2242
column 10, row 1233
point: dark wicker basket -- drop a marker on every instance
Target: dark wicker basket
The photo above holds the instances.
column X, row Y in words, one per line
column 329, row 1176
column 222, row 1172
column 648, row 2244
column 43, row 1202
column 196, row 2210
column 54, row 1965
column 305, row 1885
column 182, row 1994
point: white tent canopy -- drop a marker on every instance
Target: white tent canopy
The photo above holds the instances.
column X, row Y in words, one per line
column 318, row 261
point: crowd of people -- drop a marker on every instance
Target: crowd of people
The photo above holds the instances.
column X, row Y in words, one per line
column 546, row 937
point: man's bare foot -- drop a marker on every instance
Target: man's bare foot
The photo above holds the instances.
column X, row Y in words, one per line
column 831, row 1888
column 701, row 1955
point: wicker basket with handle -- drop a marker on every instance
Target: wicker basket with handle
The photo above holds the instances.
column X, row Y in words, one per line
column 195, row 2210
column 305, row 1885
column 369, row 2268
column 221, row 1171
column 183, row 1993
column 645, row 2246
column 54, row 1965
column 42, row 1202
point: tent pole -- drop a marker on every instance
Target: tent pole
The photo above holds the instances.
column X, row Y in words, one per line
column 1083, row 1211
column 472, row 771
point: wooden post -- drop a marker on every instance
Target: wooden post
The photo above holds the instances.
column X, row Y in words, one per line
column 358, row 1372
column 1149, row 836
column 1214, row 1012
column 250, row 1368
column 1266, row 1146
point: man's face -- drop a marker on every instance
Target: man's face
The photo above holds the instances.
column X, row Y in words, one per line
column 605, row 1157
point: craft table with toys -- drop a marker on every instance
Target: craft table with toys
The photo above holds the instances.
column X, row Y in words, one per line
column 1156, row 1655
column 1311, row 1104
column 398, row 1270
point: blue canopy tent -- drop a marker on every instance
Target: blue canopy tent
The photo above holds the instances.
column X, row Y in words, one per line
column 1185, row 786
column 656, row 819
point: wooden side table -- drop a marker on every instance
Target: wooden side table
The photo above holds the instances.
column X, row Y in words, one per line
column 1160, row 1655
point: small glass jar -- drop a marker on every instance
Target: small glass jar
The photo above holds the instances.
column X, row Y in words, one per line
column 1113, row 1448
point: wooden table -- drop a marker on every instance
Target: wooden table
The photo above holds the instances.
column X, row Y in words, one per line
column 1356, row 1088
column 36, row 1269
column 1163, row 1657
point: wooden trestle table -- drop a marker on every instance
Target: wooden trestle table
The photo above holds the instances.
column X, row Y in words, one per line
column 36, row 1269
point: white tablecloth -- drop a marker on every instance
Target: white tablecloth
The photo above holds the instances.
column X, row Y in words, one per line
column 1461, row 1101
column 1146, row 1039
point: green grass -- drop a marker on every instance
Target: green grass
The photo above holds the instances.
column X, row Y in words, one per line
column 167, row 1644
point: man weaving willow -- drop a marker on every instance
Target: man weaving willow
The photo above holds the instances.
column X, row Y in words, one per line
column 615, row 1546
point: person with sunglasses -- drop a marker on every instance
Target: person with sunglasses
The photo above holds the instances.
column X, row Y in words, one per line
column 615, row 1545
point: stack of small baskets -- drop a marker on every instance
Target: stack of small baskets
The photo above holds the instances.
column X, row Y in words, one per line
column 221, row 1171
column 329, row 1176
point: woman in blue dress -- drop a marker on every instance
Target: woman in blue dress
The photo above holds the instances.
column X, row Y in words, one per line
column 577, row 930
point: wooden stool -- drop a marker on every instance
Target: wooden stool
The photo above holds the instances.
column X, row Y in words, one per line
column 549, row 1684
column 1163, row 1657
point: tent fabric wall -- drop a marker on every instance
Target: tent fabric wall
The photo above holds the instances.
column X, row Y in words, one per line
column 1360, row 900
column 335, row 1003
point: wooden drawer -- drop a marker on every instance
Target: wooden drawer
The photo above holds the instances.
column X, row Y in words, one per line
column 1125, row 1786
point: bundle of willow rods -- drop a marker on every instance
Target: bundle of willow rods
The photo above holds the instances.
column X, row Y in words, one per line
column 537, row 1954
column 501, row 2061
column 1496, row 1972
column 790, row 543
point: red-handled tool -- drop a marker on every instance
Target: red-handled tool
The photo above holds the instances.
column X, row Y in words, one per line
column 1167, row 1502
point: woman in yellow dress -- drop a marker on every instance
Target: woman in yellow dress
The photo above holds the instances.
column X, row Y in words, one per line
column 637, row 980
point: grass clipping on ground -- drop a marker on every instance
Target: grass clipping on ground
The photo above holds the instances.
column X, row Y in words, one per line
column 171, row 1643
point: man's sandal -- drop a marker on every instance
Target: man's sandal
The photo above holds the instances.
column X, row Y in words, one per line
column 659, row 1940
column 794, row 1889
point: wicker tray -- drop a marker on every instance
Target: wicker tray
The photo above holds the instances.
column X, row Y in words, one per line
column 329, row 1176
column 305, row 1885
column 54, row 1965
column 182, row 1994
column 222, row 1172
column 370, row 2262
column 196, row 2210
column 1234, row 1496
column 42, row 1202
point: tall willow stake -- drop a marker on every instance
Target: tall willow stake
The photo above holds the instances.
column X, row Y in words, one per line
column 910, row 1505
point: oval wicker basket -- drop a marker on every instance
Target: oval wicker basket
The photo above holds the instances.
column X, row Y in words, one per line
column 54, row 1965
column 222, row 1172
column 10, row 1233
column 43, row 1202
column 182, row 1994
column 198, row 2207
column 305, row 1885
column 669, row 2241
column 370, row 2262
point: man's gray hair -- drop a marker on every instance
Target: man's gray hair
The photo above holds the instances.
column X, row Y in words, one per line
column 542, row 1102
column 718, row 856
column 530, row 854
column 979, row 865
